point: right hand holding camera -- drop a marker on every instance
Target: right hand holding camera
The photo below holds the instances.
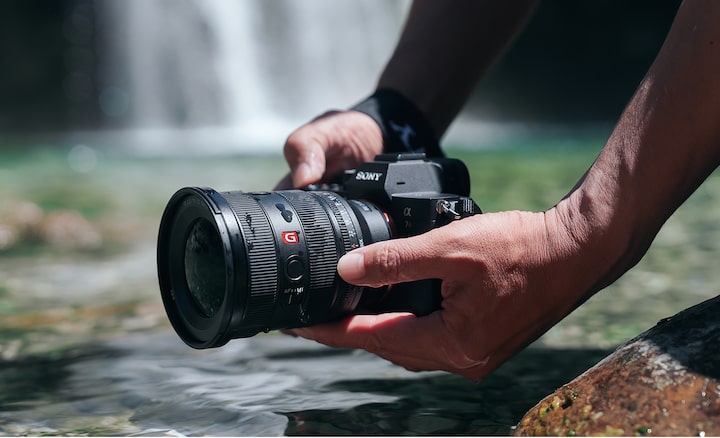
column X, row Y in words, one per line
column 506, row 279
column 323, row 148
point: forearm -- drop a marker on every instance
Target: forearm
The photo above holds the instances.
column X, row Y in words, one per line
column 664, row 146
column 445, row 48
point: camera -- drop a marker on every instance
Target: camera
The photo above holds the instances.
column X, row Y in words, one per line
column 233, row 264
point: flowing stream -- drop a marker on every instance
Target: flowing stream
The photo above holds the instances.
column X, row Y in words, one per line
column 152, row 384
column 85, row 346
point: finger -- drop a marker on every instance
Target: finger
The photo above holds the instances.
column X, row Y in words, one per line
column 394, row 336
column 306, row 157
column 432, row 255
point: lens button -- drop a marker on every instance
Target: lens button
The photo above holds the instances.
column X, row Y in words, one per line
column 294, row 268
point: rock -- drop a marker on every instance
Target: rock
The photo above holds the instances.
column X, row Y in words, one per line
column 8, row 236
column 664, row 382
column 26, row 224
column 69, row 230
column 19, row 223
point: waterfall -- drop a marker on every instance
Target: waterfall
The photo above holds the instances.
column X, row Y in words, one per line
column 236, row 75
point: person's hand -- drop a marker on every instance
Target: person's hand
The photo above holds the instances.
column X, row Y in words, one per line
column 322, row 149
column 506, row 278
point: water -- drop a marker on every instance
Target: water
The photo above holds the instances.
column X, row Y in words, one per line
column 151, row 383
column 85, row 347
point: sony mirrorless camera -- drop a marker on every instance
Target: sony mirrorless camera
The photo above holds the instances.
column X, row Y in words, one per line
column 233, row 264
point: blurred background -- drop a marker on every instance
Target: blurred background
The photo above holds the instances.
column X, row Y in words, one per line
column 248, row 72
column 108, row 107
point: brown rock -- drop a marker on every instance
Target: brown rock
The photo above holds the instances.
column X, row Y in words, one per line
column 70, row 230
column 24, row 223
column 19, row 223
column 664, row 382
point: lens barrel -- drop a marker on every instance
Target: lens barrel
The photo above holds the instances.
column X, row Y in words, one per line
column 233, row 264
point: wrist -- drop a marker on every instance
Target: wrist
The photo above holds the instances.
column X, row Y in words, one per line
column 404, row 127
column 597, row 239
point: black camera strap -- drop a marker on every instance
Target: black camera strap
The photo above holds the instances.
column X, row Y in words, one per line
column 405, row 128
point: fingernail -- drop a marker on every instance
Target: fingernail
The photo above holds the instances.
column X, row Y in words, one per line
column 351, row 266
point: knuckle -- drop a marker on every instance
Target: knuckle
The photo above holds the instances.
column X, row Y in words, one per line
column 299, row 138
column 461, row 350
column 371, row 344
column 462, row 355
column 388, row 261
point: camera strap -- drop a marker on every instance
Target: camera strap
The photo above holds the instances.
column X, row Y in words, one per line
column 404, row 126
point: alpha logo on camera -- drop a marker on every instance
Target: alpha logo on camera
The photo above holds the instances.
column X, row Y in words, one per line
column 368, row 176
column 290, row 237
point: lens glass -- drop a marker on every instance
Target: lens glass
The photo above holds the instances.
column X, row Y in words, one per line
column 205, row 267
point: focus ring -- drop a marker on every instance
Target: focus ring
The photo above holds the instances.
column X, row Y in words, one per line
column 346, row 298
column 261, row 257
column 342, row 217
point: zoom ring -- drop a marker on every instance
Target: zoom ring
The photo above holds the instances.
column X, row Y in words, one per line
column 261, row 257
column 322, row 251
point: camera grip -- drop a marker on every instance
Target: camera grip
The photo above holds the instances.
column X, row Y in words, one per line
column 420, row 297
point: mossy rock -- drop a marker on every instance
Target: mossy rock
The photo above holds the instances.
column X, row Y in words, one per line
column 664, row 382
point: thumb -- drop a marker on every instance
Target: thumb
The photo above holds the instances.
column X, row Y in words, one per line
column 391, row 261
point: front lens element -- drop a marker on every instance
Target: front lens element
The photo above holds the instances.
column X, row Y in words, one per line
column 205, row 267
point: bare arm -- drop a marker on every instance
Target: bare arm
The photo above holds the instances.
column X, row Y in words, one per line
column 446, row 47
column 664, row 146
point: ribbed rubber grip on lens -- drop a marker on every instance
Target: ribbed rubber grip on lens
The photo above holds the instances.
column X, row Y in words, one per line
column 319, row 237
column 343, row 220
column 261, row 257
column 338, row 207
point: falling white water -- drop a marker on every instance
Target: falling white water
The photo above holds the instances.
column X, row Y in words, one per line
column 227, row 75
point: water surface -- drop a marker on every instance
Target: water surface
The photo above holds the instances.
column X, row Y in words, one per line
column 85, row 347
column 152, row 384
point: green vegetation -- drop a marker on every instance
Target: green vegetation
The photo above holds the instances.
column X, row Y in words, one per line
column 524, row 178
column 122, row 198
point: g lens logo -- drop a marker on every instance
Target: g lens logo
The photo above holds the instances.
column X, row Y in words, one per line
column 290, row 237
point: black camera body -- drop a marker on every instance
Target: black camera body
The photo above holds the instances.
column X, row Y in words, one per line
column 233, row 264
column 418, row 194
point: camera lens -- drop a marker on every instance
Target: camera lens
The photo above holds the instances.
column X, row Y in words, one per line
column 205, row 267
column 233, row 264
